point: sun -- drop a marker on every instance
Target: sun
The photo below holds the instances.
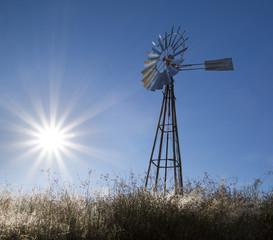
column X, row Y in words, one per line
column 51, row 139
column 50, row 136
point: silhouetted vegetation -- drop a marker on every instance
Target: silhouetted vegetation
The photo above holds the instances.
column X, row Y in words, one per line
column 209, row 209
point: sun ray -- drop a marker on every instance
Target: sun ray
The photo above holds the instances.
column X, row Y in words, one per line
column 23, row 115
column 20, row 129
column 103, row 154
column 35, row 166
column 70, row 106
column 39, row 108
column 69, row 154
column 24, row 156
column 65, row 174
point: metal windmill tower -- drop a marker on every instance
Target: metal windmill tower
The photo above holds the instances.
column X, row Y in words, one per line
column 164, row 62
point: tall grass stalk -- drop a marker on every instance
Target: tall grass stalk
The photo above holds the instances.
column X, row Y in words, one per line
column 209, row 209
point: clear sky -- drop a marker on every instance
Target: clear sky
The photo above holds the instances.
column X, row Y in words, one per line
column 79, row 62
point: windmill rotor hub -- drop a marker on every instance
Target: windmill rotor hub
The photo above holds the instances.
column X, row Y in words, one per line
column 169, row 60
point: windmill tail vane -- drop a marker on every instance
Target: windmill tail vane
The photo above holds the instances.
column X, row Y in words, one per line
column 164, row 62
column 224, row 64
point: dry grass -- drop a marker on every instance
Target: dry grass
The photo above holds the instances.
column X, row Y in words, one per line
column 209, row 209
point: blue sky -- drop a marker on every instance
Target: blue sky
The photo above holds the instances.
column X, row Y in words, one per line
column 87, row 56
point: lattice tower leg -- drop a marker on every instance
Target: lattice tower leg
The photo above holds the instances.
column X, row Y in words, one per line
column 165, row 169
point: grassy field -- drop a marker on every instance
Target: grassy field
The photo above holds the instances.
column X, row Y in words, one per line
column 209, row 209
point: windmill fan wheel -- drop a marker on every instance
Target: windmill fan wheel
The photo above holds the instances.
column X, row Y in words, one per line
column 164, row 60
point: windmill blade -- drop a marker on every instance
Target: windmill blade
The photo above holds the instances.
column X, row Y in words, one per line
column 173, row 71
column 177, row 61
column 149, row 63
column 180, row 44
column 160, row 40
column 148, row 76
column 177, row 42
column 167, row 78
column 147, row 70
column 157, row 83
column 224, row 64
column 156, row 49
column 152, row 56
column 160, row 82
column 152, row 86
column 183, row 50
column 175, row 35
column 152, row 78
column 166, row 40
column 152, row 82
column 171, row 37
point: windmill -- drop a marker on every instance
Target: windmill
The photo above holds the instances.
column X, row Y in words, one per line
column 164, row 62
